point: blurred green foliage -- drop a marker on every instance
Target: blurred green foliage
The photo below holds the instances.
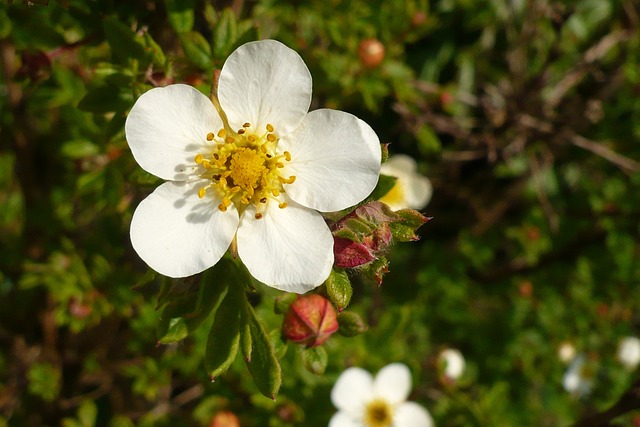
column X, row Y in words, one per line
column 524, row 114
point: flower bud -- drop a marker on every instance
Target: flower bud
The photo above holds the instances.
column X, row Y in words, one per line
column 225, row 419
column 311, row 320
column 371, row 52
column 351, row 324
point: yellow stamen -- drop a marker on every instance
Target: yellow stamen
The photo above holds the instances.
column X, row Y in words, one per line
column 258, row 215
column 210, row 136
column 269, row 127
column 287, row 156
column 222, row 133
column 198, row 159
column 246, row 125
column 202, row 192
column 283, row 205
column 229, row 140
column 271, row 137
column 240, row 131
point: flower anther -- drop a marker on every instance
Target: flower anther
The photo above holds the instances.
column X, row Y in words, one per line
column 244, row 167
column 378, row 413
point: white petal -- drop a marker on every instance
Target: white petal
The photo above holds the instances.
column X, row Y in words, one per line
column 342, row 419
column 399, row 163
column 393, row 383
column 167, row 127
column 410, row 414
column 290, row 249
column 413, row 189
column 336, row 160
column 265, row 82
column 178, row 234
column 352, row 391
column 418, row 192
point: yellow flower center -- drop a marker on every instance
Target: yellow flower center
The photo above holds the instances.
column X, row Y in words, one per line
column 244, row 168
column 395, row 196
column 378, row 413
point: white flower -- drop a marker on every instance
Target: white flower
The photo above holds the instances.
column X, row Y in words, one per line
column 363, row 401
column 629, row 352
column 249, row 169
column 566, row 352
column 578, row 379
column 453, row 363
column 411, row 190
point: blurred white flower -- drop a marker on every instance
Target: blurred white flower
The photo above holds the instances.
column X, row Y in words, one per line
column 578, row 379
column 411, row 190
column 364, row 401
column 566, row 352
column 452, row 362
column 629, row 352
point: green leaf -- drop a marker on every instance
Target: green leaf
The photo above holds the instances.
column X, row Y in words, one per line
column 339, row 288
column 181, row 14
column 351, row 324
column 315, row 360
column 225, row 33
column 385, row 184
column 106, row 98
column 197, row 49
column 179, row 319
column 155, row 51
column 123, row 41
column 264, row 366
column 79, row 148
column 224, row 336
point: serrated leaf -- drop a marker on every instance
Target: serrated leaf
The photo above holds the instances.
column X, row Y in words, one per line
column 181, row 14
column 315, row 360
column 197, row 49
column 264, row 366
column 339, row 288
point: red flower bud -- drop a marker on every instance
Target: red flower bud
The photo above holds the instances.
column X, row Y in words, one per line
column 311, row 320
column 225, row 419
column 371, row 52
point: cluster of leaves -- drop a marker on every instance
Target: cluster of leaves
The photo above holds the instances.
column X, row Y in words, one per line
column 522, row 113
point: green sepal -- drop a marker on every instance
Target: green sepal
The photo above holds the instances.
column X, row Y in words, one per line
column 282, row 302
column 405, row 229
column 339, row 288
column 315, row 359
column 263, row 366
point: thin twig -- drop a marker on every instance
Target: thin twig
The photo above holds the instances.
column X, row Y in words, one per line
column 626, row 164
